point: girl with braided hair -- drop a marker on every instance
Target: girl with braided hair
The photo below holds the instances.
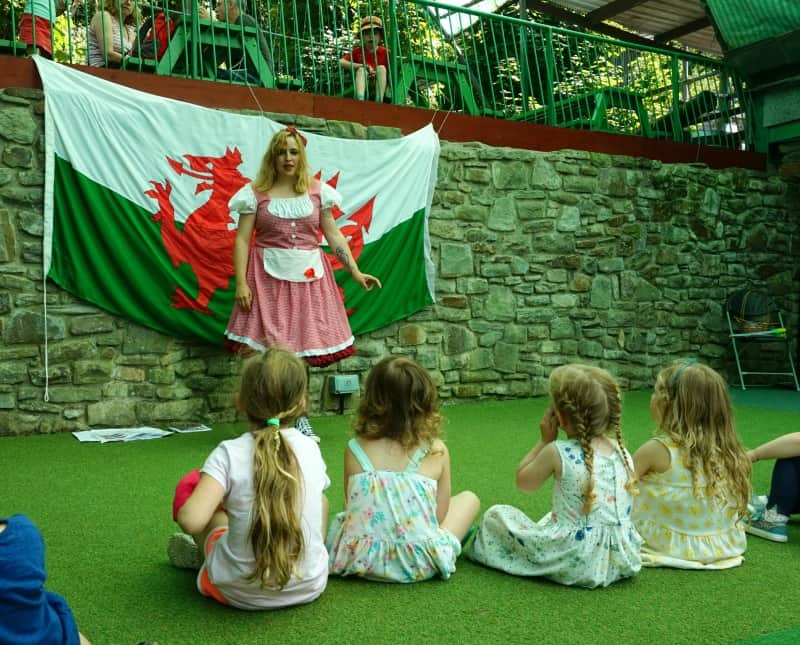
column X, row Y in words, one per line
column 258, row 511
column 588, row 539
column 695, row 474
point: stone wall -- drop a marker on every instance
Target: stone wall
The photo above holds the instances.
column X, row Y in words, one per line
column 542, row 259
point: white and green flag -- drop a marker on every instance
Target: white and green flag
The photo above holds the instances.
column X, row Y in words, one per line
column 136, row 218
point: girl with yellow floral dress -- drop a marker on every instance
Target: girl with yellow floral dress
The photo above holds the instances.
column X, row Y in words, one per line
column 694, row 476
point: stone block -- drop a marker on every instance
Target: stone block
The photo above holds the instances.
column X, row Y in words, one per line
column 544, row 175
column 456, row 260
column 502, row 215
column 190, row 366
column 84, row 325
column 183, row 411
column 17, row 125
column 27, row 327
column 500, row 305
column 458, row 339
column 561, row 328
column 140, row 340
column 72, row 394
column 113, row 413
column 467, row 391
column 54, row 374
column 91, row 371
column 412, row 335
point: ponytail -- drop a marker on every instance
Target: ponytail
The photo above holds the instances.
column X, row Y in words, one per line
column 275, row 532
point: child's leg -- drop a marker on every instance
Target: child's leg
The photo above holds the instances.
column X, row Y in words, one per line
column 785, row 489
column 380, row 83
column 361, row 83
column 463, row 510
column 325, row 507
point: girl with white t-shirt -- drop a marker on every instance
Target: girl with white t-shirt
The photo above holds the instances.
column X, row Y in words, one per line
column 258, row 512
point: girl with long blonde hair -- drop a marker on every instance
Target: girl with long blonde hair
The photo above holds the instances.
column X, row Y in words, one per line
column 257, row 514
column 588, row 539
column 694, row 475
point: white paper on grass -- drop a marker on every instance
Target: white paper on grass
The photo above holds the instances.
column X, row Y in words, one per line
column 107, row 435
column 199, row 428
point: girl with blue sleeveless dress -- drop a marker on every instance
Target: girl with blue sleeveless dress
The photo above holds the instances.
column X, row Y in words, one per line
column 588, row 539
column 400, row 523
column 694, row 476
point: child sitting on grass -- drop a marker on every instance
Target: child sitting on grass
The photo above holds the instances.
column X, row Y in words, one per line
column 28, row 613
column 588, row 539
column 771, row 513
column 694, row 476
column 400, row 523
column 258, row 511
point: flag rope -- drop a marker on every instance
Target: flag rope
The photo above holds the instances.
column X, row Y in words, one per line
column 46, row 354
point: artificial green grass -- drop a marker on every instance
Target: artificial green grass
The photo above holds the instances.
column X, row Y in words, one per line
column 105, row 512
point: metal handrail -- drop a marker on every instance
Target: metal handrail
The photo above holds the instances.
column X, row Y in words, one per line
column 492, row 65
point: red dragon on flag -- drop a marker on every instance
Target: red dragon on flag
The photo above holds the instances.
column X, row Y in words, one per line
column 205, row 241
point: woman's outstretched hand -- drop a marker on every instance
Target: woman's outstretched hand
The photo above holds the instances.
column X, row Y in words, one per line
column 367, row 281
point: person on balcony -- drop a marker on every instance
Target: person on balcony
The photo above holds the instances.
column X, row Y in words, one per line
column 236, row 69
column 112, row 33
column 370, row 62
column 36, row 24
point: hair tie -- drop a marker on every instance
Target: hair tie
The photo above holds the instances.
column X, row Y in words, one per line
column 292, row 130
column 682, row 369
column 272, row 422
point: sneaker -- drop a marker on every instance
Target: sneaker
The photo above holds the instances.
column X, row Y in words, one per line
column 757, row 504
column 303, row 425
column 183, row 552
column 769, row 524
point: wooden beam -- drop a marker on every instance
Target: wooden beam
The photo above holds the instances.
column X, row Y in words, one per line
column 611, row 9
column 682, row 30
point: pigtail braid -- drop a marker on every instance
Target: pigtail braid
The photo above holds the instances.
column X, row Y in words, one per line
column 589, row 495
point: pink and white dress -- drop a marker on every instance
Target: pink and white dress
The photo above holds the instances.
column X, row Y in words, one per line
column 296, row 304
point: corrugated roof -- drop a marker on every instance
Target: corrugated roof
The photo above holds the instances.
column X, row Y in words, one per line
column 664, row 21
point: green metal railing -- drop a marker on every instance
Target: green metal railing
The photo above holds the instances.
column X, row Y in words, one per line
column 440, row 57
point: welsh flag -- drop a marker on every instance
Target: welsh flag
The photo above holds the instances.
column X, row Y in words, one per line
column 136, row 216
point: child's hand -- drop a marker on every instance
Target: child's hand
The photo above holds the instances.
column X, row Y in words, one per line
column 548, row 426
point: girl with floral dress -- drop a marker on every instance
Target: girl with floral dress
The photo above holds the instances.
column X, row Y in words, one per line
column 400, row 523
column 588, row 539
column 695, row 475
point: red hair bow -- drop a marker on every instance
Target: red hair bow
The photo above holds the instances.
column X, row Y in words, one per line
column 291, row 129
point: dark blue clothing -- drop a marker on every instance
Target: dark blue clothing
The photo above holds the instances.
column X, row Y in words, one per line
column 785, row 489
column 29, row 615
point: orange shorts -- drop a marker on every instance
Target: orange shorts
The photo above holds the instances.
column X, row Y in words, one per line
column 41, row 38
column 204, row 583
